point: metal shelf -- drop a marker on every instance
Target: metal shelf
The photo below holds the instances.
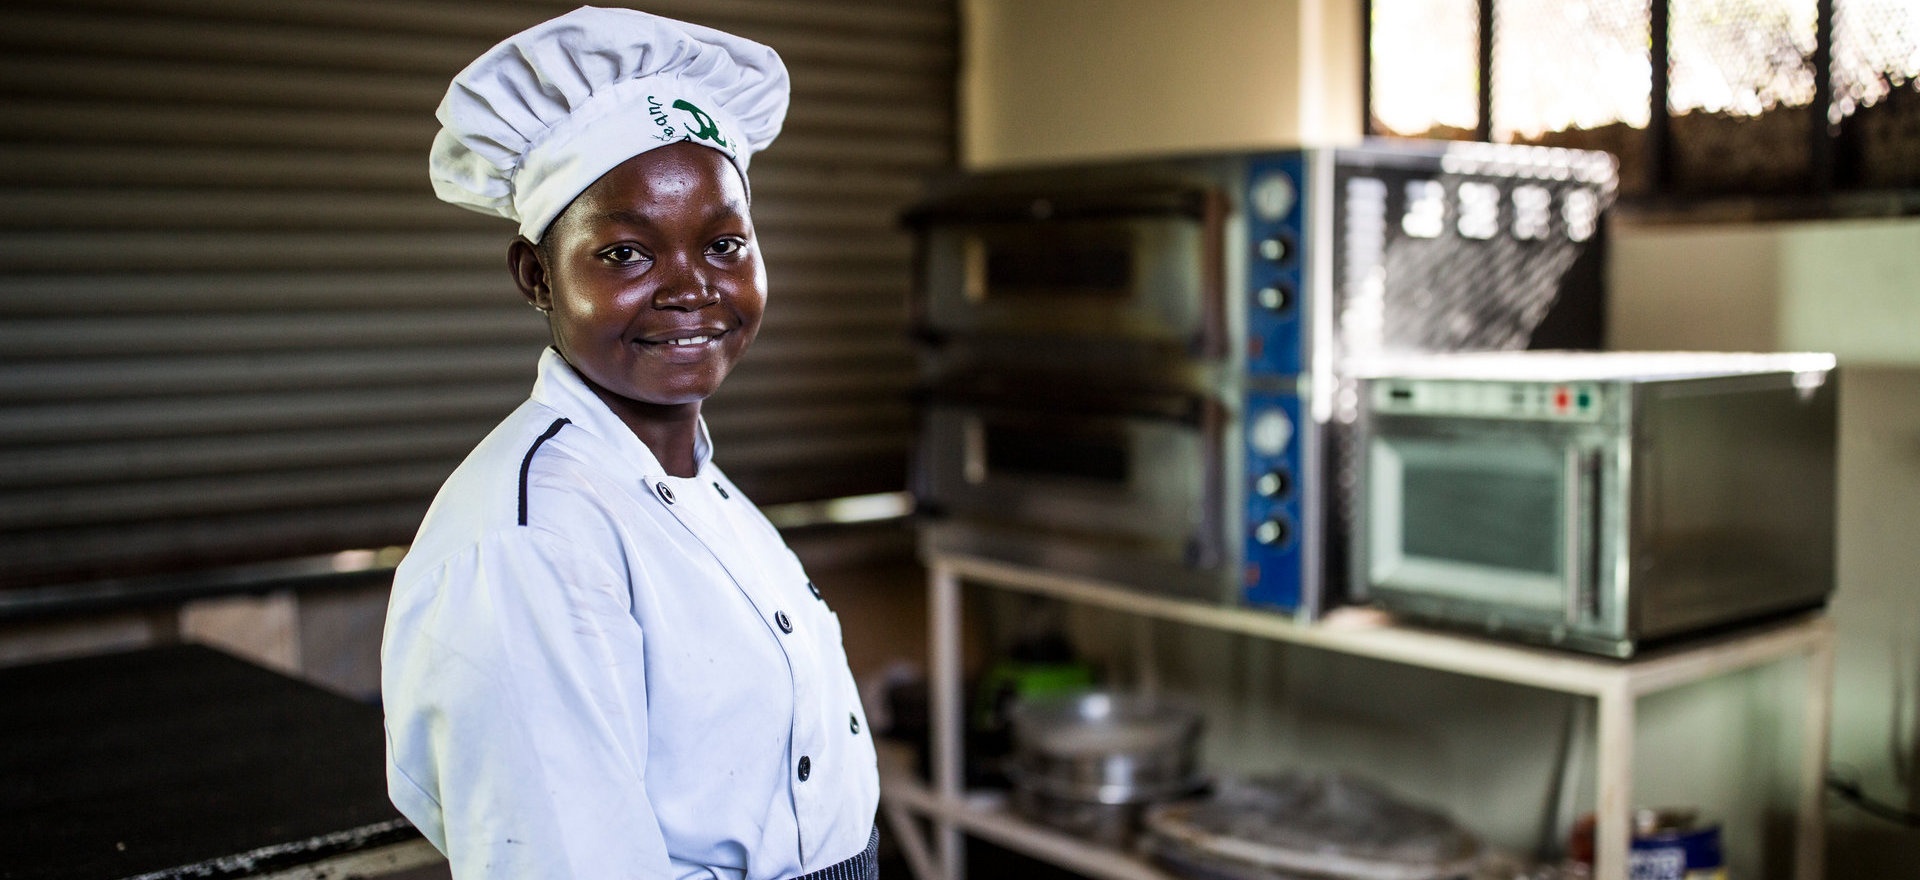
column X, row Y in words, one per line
column 1377, row 636
column 987, row 818
column 1614, row 685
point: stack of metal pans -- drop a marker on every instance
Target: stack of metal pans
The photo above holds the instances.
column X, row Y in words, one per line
column 1090, row 763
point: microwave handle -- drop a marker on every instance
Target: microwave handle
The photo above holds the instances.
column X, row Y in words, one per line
column 1584, row 467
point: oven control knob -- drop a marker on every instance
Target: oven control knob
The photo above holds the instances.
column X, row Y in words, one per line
column 1275, row 297
column 1270, row 432
column 1273, row 532
column 1273, row 484
column 1276, row 249
column 1273, row 196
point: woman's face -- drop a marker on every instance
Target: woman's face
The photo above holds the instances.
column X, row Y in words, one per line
column 651, row 278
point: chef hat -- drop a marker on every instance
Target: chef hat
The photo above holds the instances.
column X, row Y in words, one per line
column 541, row 116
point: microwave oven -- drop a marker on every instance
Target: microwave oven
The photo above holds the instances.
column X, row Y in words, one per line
column 1133, row 371
column 1602, row 500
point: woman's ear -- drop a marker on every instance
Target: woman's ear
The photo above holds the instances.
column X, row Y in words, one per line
column 530, row 273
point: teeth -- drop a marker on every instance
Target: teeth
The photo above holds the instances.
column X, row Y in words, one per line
column 690, row 340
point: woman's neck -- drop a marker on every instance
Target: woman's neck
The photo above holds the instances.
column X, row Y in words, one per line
column 672, row 440
column 671, row 431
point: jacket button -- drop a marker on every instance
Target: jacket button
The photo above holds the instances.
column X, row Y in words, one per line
column 666, row 494
column 786, row 624
column 853, row 723
column 815, row 591
column 723, row 492
column 806, row 768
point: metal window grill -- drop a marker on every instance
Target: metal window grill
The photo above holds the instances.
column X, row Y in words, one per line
column 1741, row 87
column 1876, row 92
column 1573, row 75
column 1568, row 65
column 1696, row 97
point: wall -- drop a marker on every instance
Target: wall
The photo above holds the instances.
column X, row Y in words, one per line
column 1050, row 83
column 1050, row 80
column 1845, row 286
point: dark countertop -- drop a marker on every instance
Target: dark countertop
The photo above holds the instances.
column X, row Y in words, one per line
column 182, row 761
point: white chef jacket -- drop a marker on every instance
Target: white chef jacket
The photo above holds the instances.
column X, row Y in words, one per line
column 595, row 670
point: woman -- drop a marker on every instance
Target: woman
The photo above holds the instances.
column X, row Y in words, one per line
column 600, row 660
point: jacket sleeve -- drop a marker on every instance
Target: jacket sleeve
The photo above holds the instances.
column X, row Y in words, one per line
column 514, row 682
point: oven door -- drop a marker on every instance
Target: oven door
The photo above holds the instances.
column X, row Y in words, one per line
column 1126, row 490
column 1483, row 522
column 1137, row 267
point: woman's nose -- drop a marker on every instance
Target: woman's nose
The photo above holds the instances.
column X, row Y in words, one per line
column 685, row 287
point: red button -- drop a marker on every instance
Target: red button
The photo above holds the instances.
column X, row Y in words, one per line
column 1561, row 399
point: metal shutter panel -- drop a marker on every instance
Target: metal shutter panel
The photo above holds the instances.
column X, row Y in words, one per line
column 235, row 325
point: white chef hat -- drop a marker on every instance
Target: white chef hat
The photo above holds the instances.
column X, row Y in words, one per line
column 538, row 118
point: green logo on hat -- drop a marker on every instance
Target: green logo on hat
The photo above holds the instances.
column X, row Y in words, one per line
column 707, row 130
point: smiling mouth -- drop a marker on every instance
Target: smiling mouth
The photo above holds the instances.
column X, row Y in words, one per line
column 684, row 343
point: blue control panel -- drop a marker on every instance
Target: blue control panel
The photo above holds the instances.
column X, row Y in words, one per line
column 1275, row 215
column 1273, row 563
column 1276, row 208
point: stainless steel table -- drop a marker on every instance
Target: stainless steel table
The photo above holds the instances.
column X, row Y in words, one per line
column 183, row 762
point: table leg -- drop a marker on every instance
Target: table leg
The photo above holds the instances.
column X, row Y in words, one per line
column 1810, row 835
column 948, row 719
column 1146, row 666
column 907, row 837
column 1614, row 778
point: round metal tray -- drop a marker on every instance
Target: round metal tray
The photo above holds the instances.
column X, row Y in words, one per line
column 1305, row 826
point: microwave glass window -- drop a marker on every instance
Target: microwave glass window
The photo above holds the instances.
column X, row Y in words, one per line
column 1053, row 260
column 1471, row 518
column 1501, row 519
column 1079, row 452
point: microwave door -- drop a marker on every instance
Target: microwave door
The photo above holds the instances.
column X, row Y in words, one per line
column 1489, row 520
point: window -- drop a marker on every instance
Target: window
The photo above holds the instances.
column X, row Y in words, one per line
column 1697, row 98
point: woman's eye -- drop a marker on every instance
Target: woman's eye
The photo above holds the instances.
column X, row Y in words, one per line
column 727, row 247
column 622, row 254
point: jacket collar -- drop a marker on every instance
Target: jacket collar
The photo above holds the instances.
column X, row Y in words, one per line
column 559, row 388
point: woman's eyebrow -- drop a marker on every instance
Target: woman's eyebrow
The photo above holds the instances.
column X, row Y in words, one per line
column 724, row 209
column 634, row 218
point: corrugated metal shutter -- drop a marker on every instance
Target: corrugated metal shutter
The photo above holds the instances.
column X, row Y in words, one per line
column 235, row 324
